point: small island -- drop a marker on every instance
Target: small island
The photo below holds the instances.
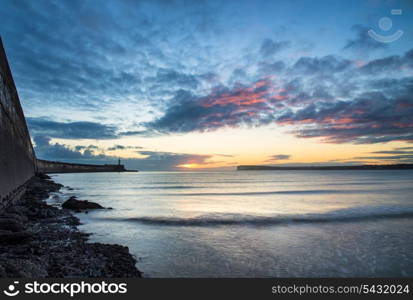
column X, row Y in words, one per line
column 326, row 168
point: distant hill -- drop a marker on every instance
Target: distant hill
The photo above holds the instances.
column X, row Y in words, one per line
column 358, row 167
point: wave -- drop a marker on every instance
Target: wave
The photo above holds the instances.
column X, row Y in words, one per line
column 357, row 214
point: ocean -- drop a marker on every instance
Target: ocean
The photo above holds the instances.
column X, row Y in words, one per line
column 253, row 223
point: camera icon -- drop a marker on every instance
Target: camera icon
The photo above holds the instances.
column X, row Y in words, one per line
column 11, row 290
column 386, row 24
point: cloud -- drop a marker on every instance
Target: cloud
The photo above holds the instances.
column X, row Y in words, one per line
column 117, row 147
column 278, row 157
column 371, row 110
column 151, row 73
column 323, row 65
column 397, row 155
column 362, row 41
column 170, row 77
column 389, row 64
column 152, row 160
column 392, row 152
column 99, row 58
column 276, row 67
column 80, row 147
column 401, row 158
column 403, row 148
column 60, row 152
column 369, row 118
column 243, row 105
column 224, row 155
column 122, row 147
column 70, row 130
column 270, row 47
column 136, row 133
column 170, row 161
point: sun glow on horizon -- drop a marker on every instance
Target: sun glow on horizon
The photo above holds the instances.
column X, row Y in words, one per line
column 189, row 166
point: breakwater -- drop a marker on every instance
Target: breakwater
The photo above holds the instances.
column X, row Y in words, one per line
column 45, row 166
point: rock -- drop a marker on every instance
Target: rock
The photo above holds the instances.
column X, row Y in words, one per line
column 76, row 205
column 42, row 211
column 43, row 176
column 9, row 237
column 18, row 217
column 39, row 240
column 28, row 268
column 18, row 209
column 3, row 272
column 10, row 224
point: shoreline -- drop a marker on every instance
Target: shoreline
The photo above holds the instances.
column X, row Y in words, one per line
column 40, row 240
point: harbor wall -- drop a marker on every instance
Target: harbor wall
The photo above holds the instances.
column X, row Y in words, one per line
column 17, row 157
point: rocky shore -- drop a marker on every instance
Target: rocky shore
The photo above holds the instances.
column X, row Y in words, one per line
column 40, row 240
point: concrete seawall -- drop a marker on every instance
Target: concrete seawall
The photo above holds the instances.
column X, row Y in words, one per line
column 18, row 162
column 17, row 158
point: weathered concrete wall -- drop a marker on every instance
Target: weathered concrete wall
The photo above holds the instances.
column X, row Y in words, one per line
column 46, row 166
column 17, row 158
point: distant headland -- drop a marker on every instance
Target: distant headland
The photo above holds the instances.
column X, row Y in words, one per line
column 326, row 168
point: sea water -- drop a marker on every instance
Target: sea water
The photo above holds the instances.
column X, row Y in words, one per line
column 254, row 223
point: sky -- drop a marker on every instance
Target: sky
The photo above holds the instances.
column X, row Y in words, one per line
column 187, row 85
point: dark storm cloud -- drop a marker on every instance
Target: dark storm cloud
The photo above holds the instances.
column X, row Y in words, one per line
column 362, row 41
column 70, row 130
column 270, row 47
